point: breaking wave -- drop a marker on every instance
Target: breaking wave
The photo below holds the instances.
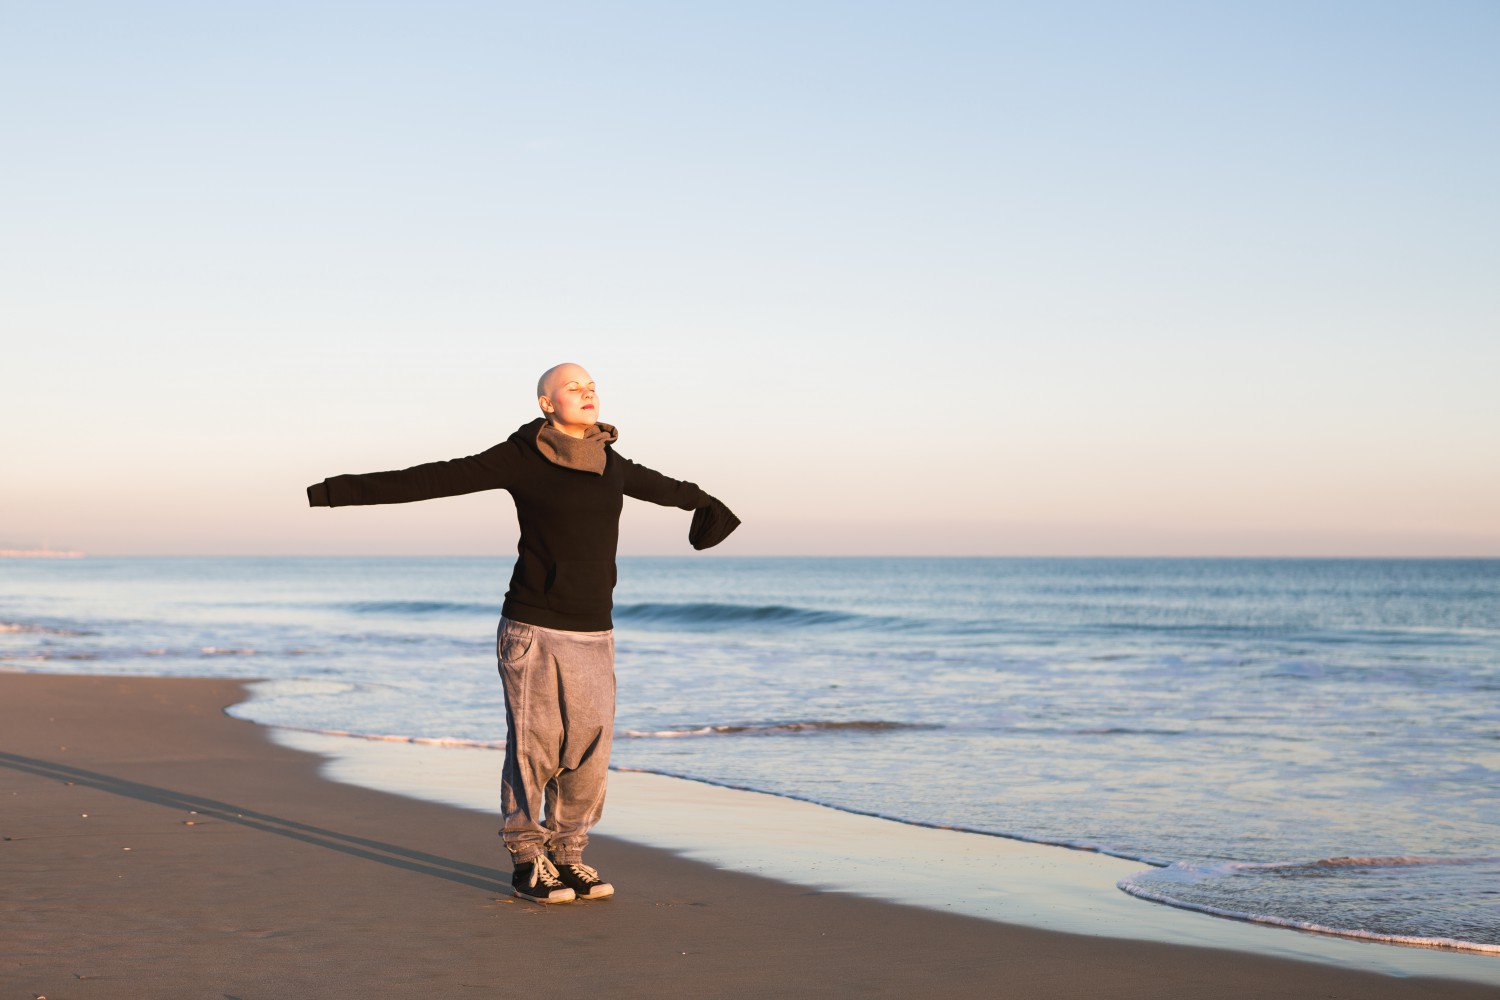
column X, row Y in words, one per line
column 708, row 614
column 417, row 608
column 427, row 741
column 776, row 728
column 1359, row 888
column 39, row 629
column 697, row 614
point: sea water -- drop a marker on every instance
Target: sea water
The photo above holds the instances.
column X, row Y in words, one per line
column 1313, row 743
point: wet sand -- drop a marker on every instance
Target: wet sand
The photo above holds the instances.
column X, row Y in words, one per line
column 156, row 847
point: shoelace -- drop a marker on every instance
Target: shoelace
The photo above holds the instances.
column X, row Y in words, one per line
column 583, row 871
column 544, row 872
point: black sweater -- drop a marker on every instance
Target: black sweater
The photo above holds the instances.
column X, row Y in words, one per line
column 570, row 520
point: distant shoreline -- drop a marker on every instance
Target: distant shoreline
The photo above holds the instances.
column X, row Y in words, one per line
column 38, row 554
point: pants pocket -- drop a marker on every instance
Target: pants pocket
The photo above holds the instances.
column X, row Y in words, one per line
column 515, row 641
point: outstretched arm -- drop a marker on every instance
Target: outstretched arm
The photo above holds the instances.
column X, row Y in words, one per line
column 712, row 521
column 488, row 470
column 653, row 487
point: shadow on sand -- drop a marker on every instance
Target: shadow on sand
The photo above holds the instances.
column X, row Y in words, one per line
column 461, row 872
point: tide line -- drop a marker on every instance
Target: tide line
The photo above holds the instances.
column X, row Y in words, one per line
column 801, row 843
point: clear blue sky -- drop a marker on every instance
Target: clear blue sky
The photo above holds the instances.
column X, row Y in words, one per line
column 1072, row 278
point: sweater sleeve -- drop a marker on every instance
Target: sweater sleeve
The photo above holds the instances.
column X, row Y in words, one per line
column 653, row 487
column 488, row 470
column 711, row 525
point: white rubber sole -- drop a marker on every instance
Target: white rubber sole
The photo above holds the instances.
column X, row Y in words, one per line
column 556, row 897
column 598, row 892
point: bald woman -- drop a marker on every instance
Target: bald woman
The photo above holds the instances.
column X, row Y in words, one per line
column 556, row 638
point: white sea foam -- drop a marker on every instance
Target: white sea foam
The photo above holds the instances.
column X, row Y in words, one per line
column 430, row 741
column 1396, row 861
column 767, row 728
column 1410, row 940
column 26, row 628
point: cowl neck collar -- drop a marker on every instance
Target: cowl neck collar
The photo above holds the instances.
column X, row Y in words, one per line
column 586, row 454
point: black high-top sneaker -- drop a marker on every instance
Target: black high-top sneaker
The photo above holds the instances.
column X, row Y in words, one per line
column 583, row 880
column 537, row 881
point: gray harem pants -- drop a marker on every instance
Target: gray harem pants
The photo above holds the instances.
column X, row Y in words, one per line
column 559, row 721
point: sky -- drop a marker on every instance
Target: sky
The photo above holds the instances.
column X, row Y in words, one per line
column 934, row 278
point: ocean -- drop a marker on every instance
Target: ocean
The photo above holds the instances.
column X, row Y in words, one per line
column 1309, row 743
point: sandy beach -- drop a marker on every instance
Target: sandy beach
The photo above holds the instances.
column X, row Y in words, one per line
column 154, row 846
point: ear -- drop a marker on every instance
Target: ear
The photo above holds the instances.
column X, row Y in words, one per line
column 544, row 403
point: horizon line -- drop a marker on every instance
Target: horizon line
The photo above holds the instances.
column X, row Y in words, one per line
column 74, row 556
